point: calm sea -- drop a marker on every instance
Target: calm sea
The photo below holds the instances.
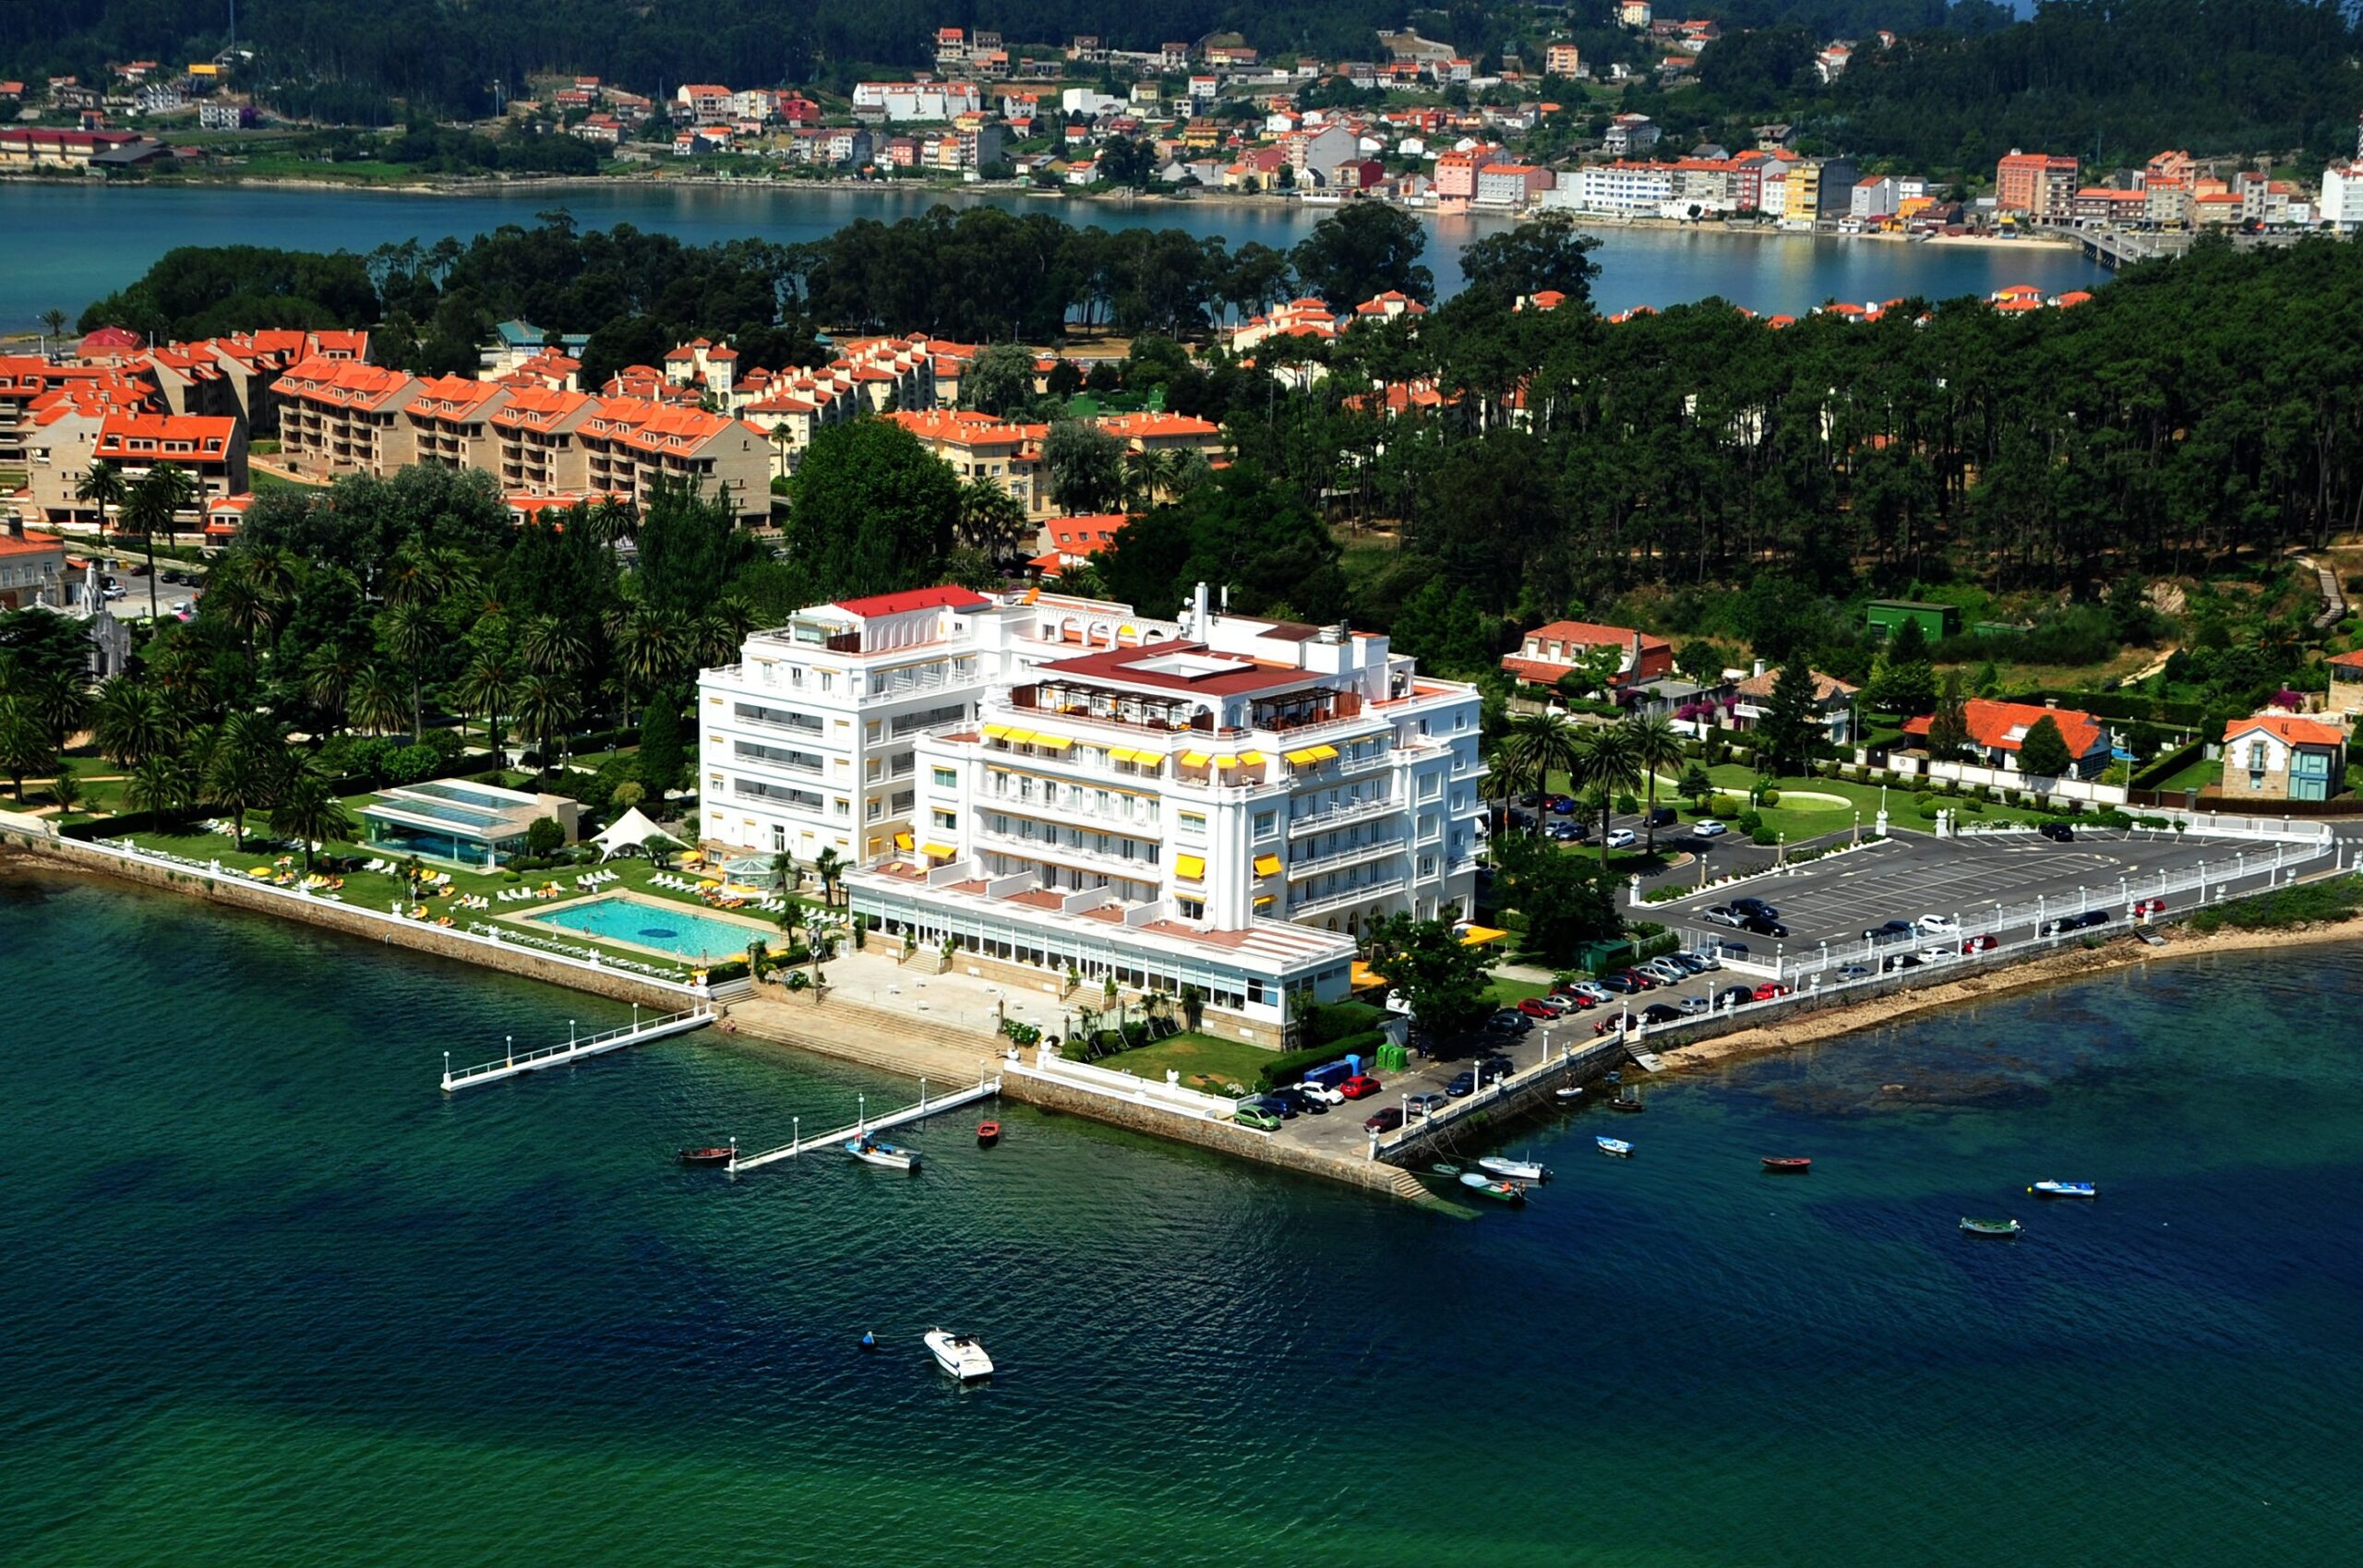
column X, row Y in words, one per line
column 271, row 1297
column 78, row 244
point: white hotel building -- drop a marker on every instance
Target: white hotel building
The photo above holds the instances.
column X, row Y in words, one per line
column 1057, row 784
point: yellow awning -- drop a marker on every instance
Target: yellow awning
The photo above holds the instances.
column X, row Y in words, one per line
column 943, row 850
column 1052, row 742
column 1193, row 758
column 1251, row 759
column 1268, row 864
column 997, row 732
column 1323, row 753
column 1263, row 900
column 1299, row 759
column 1225, row 763
column 1478, row 936
column 1191, row 867
column 902, row 841
column 1016, row 737
column 1150, row 760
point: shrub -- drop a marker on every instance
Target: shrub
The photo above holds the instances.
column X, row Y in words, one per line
column 1764, row 837
column 1928, row 810
column 1723, row 805
column 730, row 969
column 1751, row 822
column 1511, row 920
column 1337, row 1019
column 1768, row 798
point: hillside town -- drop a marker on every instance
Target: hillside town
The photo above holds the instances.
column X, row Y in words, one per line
column 1420, row 126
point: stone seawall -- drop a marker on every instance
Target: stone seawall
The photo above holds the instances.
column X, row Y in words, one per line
column 68, row 855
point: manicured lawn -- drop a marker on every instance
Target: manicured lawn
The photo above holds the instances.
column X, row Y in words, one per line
column 2201, row 774
column 1509, row 993
column 1204, row 1061
column 262, row 480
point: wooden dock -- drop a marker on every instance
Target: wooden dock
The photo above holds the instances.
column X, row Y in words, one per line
column 576, row 1048
column 984, row 1088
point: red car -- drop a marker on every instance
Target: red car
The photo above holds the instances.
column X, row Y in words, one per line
column 1575, row 1002
column 1535, row 1007
column 2144, row 908
column 1359, row 1085
column 1771, row 990
column 1641, row 981
column 1979, row 944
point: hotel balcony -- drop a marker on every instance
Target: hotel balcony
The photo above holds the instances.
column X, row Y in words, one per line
column 1342, row 816
column 1301, row 909
column 1316, row 863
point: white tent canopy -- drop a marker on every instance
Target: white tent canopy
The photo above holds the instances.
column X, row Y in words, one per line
column 630, row 831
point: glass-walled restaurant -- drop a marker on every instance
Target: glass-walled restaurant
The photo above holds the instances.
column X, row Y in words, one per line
column 478, row 827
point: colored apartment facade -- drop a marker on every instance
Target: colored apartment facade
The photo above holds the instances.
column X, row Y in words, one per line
column 2281, row 756
column 2041, row 186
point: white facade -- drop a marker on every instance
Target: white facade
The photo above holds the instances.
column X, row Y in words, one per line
column 2342, row 203
column 1632, row 189
column 1220, row 801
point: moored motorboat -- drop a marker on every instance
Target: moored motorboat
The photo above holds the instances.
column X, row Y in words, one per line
column 1628, row 1102
column 988, row 1135
column 1787, row 1165
column 958, row 1354
column 2064, row 1189
column 1513, row 1170
column 1446, row 1169
column 870, row 1151
column 1990, row 1227
column 711, row 1155
column 1616, row 1147
column 1486, row 1186
column 1570, row 1092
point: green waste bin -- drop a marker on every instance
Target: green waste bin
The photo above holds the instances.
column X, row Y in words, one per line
column 1393, row 1058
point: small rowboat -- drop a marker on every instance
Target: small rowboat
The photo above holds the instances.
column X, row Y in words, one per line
column 1513, row 1170
column 1573, row 1091
column 707, row 1156
column 1990, row 1227
column 988, row 1135
column 1486, row 1186
column 1446, row 1169
column 1616, row 1147
column 872, row 1151
column 1787, row 1164
column 1629, row 1106
column 2064, row 1189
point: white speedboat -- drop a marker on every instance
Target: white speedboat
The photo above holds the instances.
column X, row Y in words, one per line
column 1616, row 1147
column 958, row 1354
column 870, row 1151
column 2064, row 1189
column 1513, row 1170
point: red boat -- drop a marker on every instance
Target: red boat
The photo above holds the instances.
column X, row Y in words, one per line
column 988, row 1135
column 707, row 1156
column 1789, row 1164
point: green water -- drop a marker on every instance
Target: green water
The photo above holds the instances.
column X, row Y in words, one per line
column 271, row 1297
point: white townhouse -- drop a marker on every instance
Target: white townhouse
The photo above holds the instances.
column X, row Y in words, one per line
column 1058, row 784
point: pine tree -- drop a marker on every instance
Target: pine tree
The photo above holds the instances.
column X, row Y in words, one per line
column 2044, row 752
column 1791, row 729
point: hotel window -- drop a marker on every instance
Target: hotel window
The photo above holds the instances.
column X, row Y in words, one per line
column 947, row 820
column 1192, row 824
column 1266, row 823
column 945, row 778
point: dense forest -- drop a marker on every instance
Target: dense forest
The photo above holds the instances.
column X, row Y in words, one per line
column 2189, row 415
column 1965, row 83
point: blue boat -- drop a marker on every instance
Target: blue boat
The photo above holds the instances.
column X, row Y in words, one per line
column 1615, row 1146
column 2064, row 1189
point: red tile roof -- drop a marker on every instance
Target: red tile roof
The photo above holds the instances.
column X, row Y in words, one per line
column 946, row 597
column 2297, row 732
column 2002, row 726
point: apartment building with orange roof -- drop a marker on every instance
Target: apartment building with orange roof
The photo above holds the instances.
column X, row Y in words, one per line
column 450, row 422
column 211, row 451
column 634, row 447
column 2037, row 185
column 341, row 416
column 537, row 445
column 976, row 446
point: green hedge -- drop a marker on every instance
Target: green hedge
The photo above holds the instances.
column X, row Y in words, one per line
column 1337, row 1019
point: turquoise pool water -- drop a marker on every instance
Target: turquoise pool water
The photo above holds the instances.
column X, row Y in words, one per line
column 676, row 930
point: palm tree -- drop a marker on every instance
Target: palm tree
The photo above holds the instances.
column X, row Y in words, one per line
column 375, row 701
column 546, row 708
column 1656, row 745
column 413, row 635
column 25, row 746
column 160, row 785
column 310, row 811
column 829, row 867
column 62, row 702
column 328, row 677
column 246, row 770
column 551, row 648
column 53, row 327
column 1607, row 766
column 1544, row 744
column 66, row 790
column 649, row 644
column 104, row 487
column 484, row 688
column 156, row 504
column 1508, row 774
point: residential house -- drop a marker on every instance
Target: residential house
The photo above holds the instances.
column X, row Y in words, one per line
column 2281, row 756
column 979, row 447
column 1550, row 653
column 2346, row 697
column 1562, row 60
column 32, row 570
column 1997, row 731
column 1629, row 133
column 341, row 416
column 1833, row 702
column 1511, row 185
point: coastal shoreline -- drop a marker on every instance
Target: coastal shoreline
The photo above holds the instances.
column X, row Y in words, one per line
column 2053, row 969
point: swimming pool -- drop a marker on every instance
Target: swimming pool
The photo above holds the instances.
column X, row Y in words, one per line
column 647, row 923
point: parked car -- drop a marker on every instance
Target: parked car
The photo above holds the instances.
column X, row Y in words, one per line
column 1619, row 985
column 1772, row 991
column 1757, row 907
column 1560, row 805
column 1509, row 1021
column 1665, row 971
column 1726, row 948
column 1893, row 931
column 2145, row 907
column 1621, row 838
column 1660, row 1012
column 1763, row 926
column 2058, row 832
column 1707, row 827
column 1613, row 1024
column 1984, row 943
column 1691, row 1007
column 1896, row 961
column 2084, row 922
column 1280, row 1105
column 1578, row 1002
column 1591, row 988
column 1722, row 915
column 1700, row 960
column 1564, row 833
column 1735, row 995
column 1937, row 954
column 1643, row 980
column 1359, row 1086
column 1291, row 1100
column 1940, row 924
column 1327, row 1093
column 1661, row 816
column 1257, row 1117
column 1385, row 1120
column 1537, row 1007
column 1462, row 1085
column 1854, row 972
column 1426, row 1104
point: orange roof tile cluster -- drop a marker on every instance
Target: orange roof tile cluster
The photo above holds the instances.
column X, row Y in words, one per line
column 127, row 436
column 966, row 427
column 343, row 382
column 2003, row 726
column 2294, row 731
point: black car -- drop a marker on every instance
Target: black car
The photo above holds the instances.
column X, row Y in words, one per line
column 2084, row 922
column 1285, row 1106
column 1734, row 996
column 1620, row 984
column 1509, row 1021
column 1462, row 1086
column 1763, row 926
column 1304, row 1103
column 1385, row 1120
column 1893, row 931
column 1659, row 1013
column 1494, row 1067
column 2058, row 832
column 1662, row 816
column 1757, row 907
column 1896, row 961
